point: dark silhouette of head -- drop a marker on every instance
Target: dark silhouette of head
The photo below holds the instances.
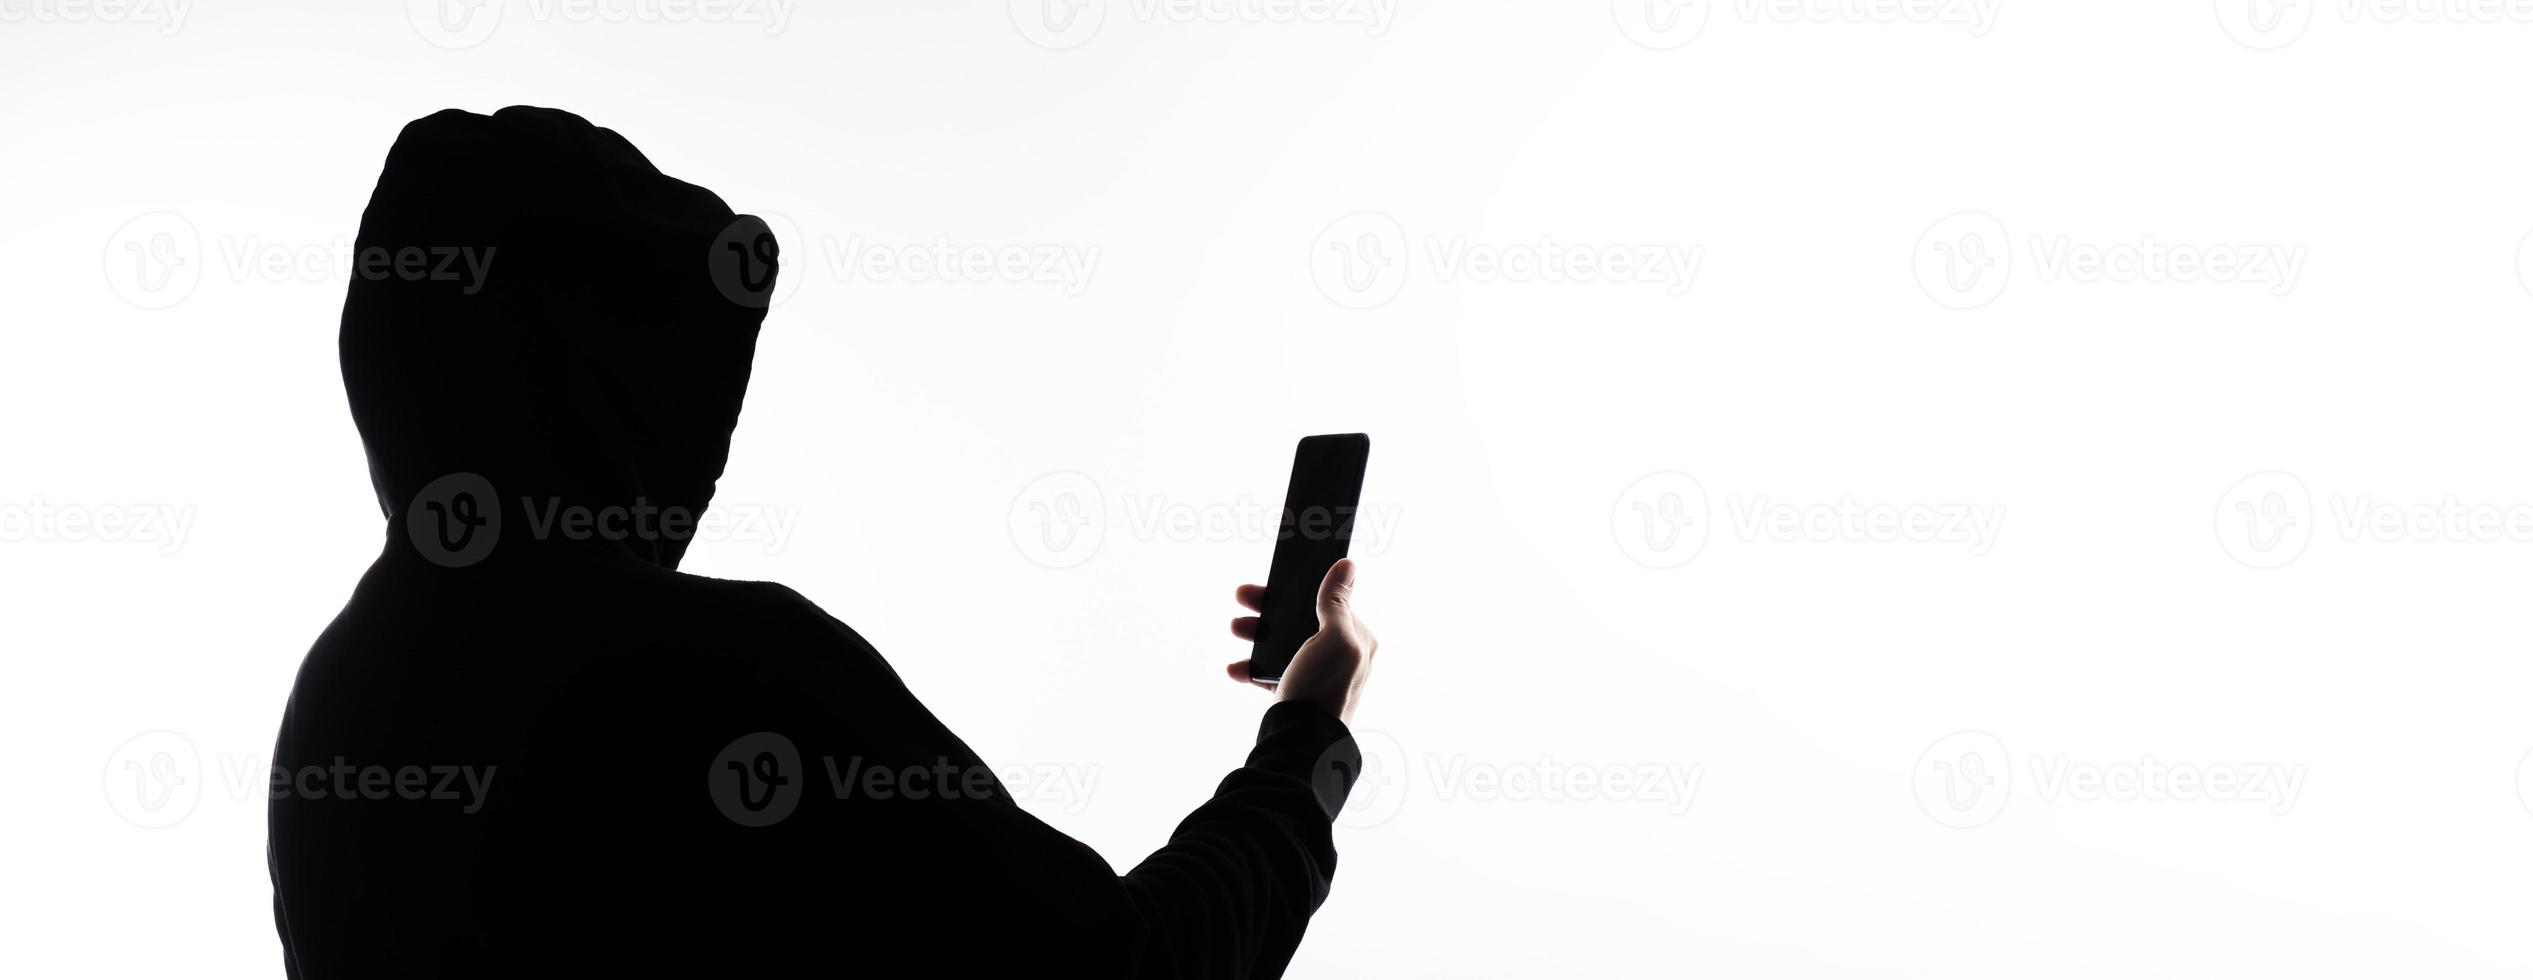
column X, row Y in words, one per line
column 534, row 303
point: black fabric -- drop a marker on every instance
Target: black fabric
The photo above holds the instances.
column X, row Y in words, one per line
column 597, row 699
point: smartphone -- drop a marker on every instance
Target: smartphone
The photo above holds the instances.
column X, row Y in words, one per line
column 1319, row 507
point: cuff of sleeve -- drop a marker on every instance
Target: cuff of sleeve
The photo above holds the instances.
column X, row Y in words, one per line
column 1306, row 742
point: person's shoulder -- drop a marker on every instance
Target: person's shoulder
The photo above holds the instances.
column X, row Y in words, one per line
column 770, row 610
column 738, row 590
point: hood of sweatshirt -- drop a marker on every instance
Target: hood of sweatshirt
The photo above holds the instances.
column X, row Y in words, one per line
column 540, row 316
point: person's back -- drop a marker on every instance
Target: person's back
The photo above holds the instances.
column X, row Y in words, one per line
column 529, row 745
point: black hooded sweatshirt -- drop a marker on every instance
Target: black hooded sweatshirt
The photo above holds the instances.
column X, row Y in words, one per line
column 529, row 746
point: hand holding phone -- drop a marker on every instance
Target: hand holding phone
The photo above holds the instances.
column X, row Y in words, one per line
column 1306, row 624
column 1330, row 667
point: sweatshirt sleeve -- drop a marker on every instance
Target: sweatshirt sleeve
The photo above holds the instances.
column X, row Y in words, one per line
column 1231, row 892
column 1228, row 895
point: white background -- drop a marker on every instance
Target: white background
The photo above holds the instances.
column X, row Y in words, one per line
column 1575, row 580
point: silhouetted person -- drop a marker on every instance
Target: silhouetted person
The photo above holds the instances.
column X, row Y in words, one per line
column 529, row 746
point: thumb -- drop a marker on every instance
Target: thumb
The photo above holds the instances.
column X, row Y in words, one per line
column 1336, row 595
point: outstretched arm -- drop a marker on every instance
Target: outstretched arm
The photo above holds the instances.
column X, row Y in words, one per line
column 940, row 859
column 1231, row 893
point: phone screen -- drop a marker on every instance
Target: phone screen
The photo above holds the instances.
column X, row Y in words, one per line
column 1319, row 509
